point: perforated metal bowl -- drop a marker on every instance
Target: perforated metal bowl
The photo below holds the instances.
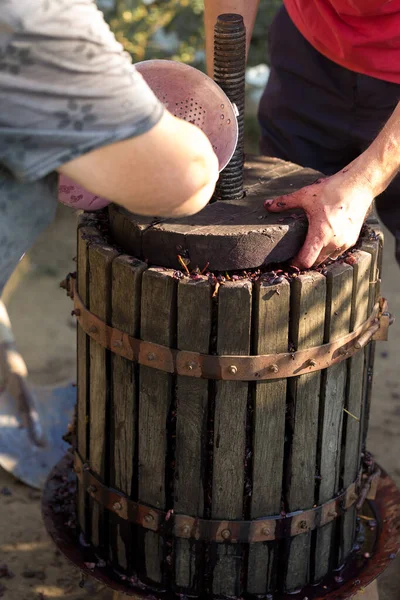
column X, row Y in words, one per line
column 192, row 96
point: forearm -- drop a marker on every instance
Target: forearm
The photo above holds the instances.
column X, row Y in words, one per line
column 380, row 163
column 169, row 171
column 336, row 206
column 214, row 8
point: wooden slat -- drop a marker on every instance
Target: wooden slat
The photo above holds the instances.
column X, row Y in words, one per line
column 127, row 229
column 100, row 261
column 354, row 397
column 339, row 279
column 271, row 331
column 306, row 330
column 375, row 248
column 158, row 325
column 84, row 235
column 234, row 327
column 126, row 292
column 380, row 240
column 194, row 331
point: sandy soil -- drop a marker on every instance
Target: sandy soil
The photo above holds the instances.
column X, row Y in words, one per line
column 46, row 336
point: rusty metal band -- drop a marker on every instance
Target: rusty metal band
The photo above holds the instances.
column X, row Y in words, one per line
column 234, row 368
column 260, row 530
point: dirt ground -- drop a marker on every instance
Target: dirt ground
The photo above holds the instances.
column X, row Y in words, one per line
column 45, row 332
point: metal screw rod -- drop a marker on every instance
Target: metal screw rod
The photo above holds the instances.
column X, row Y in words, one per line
column 229, row 73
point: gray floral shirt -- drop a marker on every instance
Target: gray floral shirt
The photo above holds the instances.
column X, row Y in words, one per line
column 66, row 87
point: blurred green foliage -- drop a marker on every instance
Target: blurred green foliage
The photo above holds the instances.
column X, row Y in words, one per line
column 174, row 29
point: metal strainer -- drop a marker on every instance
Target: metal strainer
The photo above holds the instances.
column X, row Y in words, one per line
column 192, row 96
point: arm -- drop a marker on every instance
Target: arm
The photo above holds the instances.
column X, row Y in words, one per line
column 93, row 118
column 214, row 8
column 336, row 207
column 169, row 171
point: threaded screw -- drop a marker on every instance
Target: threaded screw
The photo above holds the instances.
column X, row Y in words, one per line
column 229, row 73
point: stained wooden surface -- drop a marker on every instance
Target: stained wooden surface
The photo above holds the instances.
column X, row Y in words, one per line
column 234, row 329
column 271, row 332
column 354, row 396
column 339, row 280
column 229, row 235
column 126, row 295
column 158, row 324
column 83, row 365
column 307, row 330
column 194, row 333
column 375, row 249
column 100, row 261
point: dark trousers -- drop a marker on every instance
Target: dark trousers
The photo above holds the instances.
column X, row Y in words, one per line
column 320, row 115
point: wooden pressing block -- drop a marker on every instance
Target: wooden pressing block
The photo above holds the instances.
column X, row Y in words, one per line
column 236, row 234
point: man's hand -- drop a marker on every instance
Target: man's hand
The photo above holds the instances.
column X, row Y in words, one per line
column 336, row 208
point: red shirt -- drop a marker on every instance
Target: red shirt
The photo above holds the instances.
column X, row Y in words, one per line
column 361, row 35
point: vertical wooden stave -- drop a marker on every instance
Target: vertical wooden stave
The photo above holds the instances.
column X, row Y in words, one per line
column 354, row 398
column 308, row 296
column 84, row 234
column 158, row 325
column 124, row 232
column 101, row 257
column 332, row 403
column 194, row 332
column 234, row 330
column 375, row 248
column 126, row 291
column 271, row 333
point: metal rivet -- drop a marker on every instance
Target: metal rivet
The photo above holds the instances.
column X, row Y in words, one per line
column 117, row 506
column 149, row 518
column 186, row 529
column 93, row 329
column 233, row 369
column 303, row 525
column 117, row 344
column 92, row 489
column 225, row 534
column 312, row 362
column 265, row 531
column 151, row 356
column 342, row 351
column 274, row 368
column 191, row 366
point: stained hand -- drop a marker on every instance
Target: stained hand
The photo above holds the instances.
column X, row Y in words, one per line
column 336, row 208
